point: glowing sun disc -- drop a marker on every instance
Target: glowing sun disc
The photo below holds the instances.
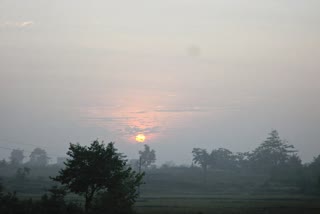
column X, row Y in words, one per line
column 140, row 138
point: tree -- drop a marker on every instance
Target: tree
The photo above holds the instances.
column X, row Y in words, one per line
column 134, row 164
column 315, row 171
column 38, row 157
column 294, row 162
column 147, row 156
column 119, row 198
column 242, row 160
column 98, row 169
column 222, row 159
column 22, row 173
column 54, row 201
column 272, row 153
column 16, row 157
column 201, row 157
column 3, row 163
column 1, row 189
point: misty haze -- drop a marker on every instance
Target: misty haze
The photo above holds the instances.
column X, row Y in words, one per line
column 165, row 106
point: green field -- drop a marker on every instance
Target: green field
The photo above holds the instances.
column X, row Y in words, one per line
column 228, row 204
column 218, row 204
column 181, row 190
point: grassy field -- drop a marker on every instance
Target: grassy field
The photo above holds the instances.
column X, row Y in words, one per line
column 218, row 204
column 228, row 204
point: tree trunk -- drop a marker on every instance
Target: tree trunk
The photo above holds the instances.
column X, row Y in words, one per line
column 205, row 174
column 87, row 204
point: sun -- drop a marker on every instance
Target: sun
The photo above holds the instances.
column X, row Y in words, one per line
column 140, row 138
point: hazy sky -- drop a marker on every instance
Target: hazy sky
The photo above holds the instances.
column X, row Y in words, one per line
column 185, row 73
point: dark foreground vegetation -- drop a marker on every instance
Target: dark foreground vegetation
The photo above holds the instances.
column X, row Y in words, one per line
column 98, row 174
column 98, row 179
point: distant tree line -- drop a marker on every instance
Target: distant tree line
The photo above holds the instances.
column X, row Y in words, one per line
column 38, row 157
column 106, row 182
column 273, row 157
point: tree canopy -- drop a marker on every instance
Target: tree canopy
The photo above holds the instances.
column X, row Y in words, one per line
column 16, row 157
column 147, row 156
column 38, row 157
column 272, row 153
column 98, row 168
column 203, row 158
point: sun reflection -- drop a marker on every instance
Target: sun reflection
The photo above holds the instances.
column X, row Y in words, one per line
column 140, row 138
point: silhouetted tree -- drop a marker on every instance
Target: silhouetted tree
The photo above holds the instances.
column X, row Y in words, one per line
column 16, row 157
column 242, row 160
column 315, row 171
column 147, row 156
column 54, row 201
column 3, row 163
column 201, row 157
column 38, row 157
column 98, row 169
column 294, row 161
column 22, row 173
column 315, row 164
column 271, row 154
column 134, row 164
column 1, row 189
column 120, row 197
column 222, row 159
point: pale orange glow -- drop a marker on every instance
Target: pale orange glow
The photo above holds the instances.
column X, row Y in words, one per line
column 132, row 116
column 140, row 138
